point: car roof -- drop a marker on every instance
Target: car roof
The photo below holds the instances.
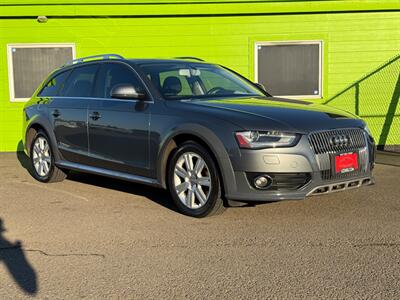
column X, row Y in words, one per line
column 135, row 61
column 140, row 61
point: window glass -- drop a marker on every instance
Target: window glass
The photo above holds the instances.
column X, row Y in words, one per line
column 212, row 80
column 53, row 86
column 197, row 80
column 80, row 83
column 185, row 88
column 116, row 74
column 290, row 69
column 30, row 65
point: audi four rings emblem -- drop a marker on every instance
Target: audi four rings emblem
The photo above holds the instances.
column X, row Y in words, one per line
column 340, row 140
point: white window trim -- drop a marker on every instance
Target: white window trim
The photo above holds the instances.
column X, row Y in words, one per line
column 297, row 42
column 29, row 45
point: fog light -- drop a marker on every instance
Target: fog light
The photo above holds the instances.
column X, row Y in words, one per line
column 262, row 182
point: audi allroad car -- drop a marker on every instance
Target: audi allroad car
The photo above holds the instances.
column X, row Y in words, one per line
column 205, row 133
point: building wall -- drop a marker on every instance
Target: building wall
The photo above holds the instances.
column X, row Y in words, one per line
column 360, row 69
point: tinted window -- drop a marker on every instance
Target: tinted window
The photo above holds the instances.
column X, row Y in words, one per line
column 213, row 80
column 290, row 70
column 80, row 83
column 197, row 80
column 31, row 65
column 185, row 88
column 116, row 74
column 53, row 86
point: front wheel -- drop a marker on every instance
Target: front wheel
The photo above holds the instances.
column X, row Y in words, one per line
column 194, row 182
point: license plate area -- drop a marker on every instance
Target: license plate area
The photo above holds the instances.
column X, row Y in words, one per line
column 345, row 162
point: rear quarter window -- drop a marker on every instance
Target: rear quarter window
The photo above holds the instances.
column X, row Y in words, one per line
column 54, row 85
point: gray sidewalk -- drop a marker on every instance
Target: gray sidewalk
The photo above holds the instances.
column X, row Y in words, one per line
column 388, row 158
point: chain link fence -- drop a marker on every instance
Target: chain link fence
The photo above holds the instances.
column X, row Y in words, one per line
column 375, row 98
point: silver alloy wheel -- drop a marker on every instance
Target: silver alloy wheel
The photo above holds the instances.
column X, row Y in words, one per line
column 41, row 156
column 192, row 181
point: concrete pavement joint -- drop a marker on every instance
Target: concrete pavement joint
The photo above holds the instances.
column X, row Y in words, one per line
column 49, row 254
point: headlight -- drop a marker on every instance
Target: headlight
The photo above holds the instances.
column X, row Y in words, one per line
column 265, row 139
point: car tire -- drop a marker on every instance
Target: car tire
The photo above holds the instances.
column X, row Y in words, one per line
column 42, row 160
column 194, row 182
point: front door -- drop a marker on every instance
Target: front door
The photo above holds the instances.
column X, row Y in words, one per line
column 119, row 128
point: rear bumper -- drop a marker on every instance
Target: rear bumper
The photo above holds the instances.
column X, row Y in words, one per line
column 295, row 161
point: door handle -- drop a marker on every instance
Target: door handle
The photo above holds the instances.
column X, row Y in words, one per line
column 56, row 113
column 95, row 116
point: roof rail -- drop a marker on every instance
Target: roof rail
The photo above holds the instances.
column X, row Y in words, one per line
column 189, row 57
column 93, row 57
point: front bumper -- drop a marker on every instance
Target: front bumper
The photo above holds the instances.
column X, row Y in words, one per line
column 296, row 161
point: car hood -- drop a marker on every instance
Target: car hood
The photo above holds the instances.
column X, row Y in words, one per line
column 294, row 115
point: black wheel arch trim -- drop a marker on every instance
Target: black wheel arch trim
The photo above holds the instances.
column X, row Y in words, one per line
column 211, row 140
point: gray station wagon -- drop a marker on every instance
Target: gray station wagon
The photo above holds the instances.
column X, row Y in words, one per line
column 208, row 135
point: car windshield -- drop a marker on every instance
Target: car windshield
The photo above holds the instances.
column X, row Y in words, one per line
column 177, row 81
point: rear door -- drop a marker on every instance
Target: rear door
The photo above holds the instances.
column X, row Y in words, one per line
column 119, row 128
column 68, row 113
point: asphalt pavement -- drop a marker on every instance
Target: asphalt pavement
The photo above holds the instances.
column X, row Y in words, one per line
column 100, row 238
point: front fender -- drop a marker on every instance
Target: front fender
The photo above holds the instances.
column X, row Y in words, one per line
column 221, row 152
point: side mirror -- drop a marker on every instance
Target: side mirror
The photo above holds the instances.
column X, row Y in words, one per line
column 127, row 91
column 260, row 86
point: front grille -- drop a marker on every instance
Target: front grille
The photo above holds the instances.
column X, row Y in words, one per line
column 330, row 175
column 325, row 149
column 321, row 141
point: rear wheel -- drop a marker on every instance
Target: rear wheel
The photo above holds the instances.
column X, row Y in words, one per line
column 42, row 160
column 194, row 182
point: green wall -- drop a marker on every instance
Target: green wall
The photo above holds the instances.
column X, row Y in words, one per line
column 361, row 44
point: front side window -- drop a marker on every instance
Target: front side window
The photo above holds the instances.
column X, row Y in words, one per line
column 115, row 74
column 81, row 82
column 166, row 77
column 197, row 80
column 54, row 85
column 29, row 64
column 291, row 69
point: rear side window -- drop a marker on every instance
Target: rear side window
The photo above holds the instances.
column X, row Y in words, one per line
column 80, row 83
column 54, row 85
column 116, row 74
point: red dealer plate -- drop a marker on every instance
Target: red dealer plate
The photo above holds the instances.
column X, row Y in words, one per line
column 346, row 162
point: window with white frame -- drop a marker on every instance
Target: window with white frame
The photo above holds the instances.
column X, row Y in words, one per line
column 290, row 69
column 30, row 64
